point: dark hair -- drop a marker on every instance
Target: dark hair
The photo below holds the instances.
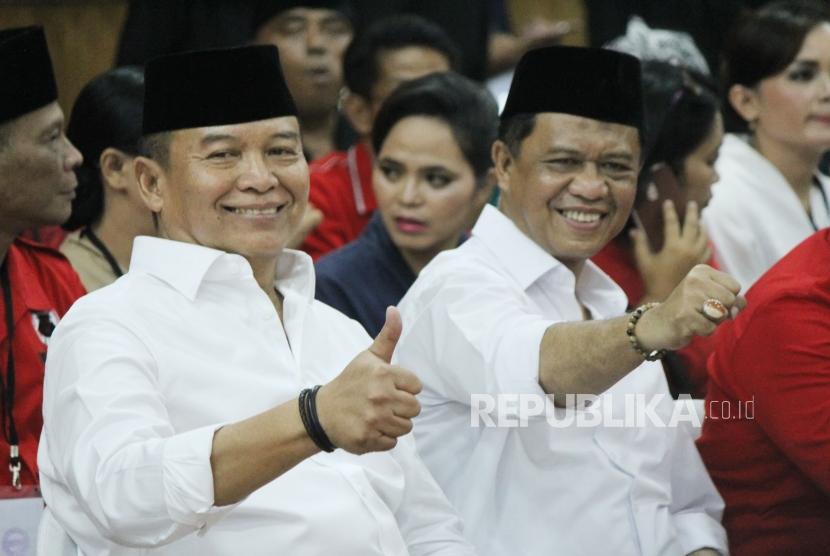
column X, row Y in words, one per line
column 515, row 129
column 266, row 10
column 763, row 43
column 681, row 110
column 360, row 62
column 466, row 107
column 157, row 147
column 107, row 113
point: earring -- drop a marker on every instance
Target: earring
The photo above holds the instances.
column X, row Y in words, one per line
column 652, row 194
column 752, row 125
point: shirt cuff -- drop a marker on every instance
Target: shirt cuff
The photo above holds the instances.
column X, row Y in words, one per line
column 188, row 478
column 517, row 359
column 698, row 530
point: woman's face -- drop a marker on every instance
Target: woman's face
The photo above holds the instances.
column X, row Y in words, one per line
column 699, row 172
column 793, row 107
column 425, row 188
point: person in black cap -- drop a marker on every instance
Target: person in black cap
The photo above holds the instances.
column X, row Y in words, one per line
column 37, row 185
column 312, row 36
column 183, row 410
column 546, row 418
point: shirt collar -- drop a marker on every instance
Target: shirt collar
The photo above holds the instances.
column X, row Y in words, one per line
column 185, row 266
column 522, row 257
column 527, row 262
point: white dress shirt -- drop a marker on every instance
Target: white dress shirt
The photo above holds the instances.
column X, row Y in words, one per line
column 473, row 324
column 141, row 373
column 755, row 217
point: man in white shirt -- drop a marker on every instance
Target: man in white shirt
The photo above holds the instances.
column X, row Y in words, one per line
column 518, row 313
column 172, row 419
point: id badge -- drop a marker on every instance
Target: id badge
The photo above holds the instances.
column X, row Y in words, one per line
column 20, row 513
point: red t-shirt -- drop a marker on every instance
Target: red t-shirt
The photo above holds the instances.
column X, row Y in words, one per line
column 617, row 260
column 43, row 286
column 773, row 470
column 341, row 188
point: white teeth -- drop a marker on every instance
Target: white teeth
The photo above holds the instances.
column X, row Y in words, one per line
column 254, row 212
column 579, row 216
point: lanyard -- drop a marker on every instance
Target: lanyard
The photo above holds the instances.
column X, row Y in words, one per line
column 7, row 387
column 96, row 241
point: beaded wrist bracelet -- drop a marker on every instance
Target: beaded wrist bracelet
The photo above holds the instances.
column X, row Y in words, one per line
column 653, row 355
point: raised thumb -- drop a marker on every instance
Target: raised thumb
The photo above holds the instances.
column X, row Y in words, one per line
column 387, row 338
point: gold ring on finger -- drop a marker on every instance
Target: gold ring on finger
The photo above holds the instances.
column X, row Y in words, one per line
column 714, row 309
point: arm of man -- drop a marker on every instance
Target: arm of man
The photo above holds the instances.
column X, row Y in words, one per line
column 588, row 357
column 365, row 409
column 143, row 484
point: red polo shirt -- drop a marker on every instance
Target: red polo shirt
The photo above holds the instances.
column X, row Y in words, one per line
column 341, row 188
column 771, row 460
column 43, row 286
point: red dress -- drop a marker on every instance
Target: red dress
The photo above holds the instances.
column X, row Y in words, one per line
column 773, row 469
column 43, row 286
column 341, row 188
column 617, row 260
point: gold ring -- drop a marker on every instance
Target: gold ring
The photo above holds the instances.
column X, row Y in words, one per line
column 714, row 309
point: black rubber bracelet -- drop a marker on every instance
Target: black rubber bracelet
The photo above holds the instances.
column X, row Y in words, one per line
column 324, row 443
column 311, row 422
column 303, row 403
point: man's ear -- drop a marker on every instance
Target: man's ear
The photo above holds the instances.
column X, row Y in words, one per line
column 502, row 164
column 358, row 111
column 151, row 180
column 745, row 102
column 116, row 169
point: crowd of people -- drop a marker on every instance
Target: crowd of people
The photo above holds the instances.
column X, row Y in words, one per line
column 314, row 292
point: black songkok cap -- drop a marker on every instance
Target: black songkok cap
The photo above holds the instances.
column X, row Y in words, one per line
column 266, row 9
column 214, row 87
column 589, row 82
column 26, row 78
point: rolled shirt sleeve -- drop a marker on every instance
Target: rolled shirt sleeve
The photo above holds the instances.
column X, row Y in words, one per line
column 475, row 337
column 108, row 437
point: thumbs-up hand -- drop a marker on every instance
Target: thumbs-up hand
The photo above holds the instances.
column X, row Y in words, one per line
column 371, row 403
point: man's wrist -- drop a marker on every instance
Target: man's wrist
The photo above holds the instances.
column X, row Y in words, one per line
column 640, row 330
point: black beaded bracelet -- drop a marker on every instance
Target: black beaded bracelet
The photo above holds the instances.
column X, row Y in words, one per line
column 652, row 355
column 311, row 421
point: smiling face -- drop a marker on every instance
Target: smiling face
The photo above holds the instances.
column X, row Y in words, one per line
column 37, row 177
column 425, row 188
column 311, row 42
column 571, row 186
column 239, row 188
column 793, row 107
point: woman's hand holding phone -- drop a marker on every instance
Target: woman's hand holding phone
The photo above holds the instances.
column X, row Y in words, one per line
column 684, row 246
